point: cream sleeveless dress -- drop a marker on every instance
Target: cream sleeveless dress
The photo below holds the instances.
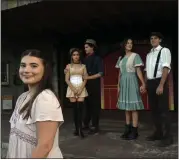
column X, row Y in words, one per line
column 76, row 79
column 23, row 137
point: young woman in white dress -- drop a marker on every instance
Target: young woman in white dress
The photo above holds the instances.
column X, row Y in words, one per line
column 37, row 116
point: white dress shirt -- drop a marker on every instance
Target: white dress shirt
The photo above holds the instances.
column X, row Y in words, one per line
column 164, row 61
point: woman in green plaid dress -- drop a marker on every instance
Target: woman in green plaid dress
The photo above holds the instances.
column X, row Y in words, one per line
column 128, row 88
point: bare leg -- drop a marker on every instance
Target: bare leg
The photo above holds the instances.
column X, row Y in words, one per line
column 135, row 118
column 128, row 117
column 72, row 99
column 81, row 99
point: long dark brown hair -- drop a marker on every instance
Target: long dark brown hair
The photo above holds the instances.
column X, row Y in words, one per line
column 45, row 82
column 72, row 50
column 123, row 50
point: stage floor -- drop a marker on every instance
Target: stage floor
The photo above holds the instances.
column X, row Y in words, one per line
column 107, row 144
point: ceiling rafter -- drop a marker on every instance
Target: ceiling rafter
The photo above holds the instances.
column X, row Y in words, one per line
column 66, row 17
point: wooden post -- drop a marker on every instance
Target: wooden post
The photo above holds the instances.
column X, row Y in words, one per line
column 62, row 81
column 55, row 73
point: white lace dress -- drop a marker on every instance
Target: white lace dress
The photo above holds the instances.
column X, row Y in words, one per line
column 23, row 137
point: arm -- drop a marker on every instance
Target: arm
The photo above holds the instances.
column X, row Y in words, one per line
column 67, row 77
column 140, row 75
column 67, row 68
column 100, row 70
column 47, row 116
column 164, row 76
column 85, row 74
column 138, row 63
column 45, row 134
column 84, row 81
column 118, row 85
column 166, row 62
column 159, row 90
column 118, row 67
column 145, row 77
column 95, row 76
column 145, row 70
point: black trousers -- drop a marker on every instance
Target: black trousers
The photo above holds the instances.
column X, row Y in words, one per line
column 159, row 106
column 93, row 103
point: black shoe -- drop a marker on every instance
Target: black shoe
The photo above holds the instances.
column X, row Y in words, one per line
column 81, row 134
column 133, row 135
column 154, row 137
column 86, row 128
column 127, row 131
column 93, row 131
column 165, row 142
column 76, row 133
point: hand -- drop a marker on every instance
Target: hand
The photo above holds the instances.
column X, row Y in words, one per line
column 79, row 91
column 143, row 89
column 159, row 90
column 67, row 68
column 75, row 91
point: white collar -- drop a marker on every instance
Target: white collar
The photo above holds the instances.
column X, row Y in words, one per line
column 157, row 48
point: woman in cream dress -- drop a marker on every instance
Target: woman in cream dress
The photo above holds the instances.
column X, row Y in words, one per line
column 37, row 116
column 76, row 90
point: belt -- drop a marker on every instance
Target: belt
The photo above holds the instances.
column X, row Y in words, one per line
column 155, row 79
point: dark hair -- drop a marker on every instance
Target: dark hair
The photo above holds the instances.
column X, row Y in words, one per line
column 72, row 50
column 123, row 52
column 158, row 34
column 92, row 46
column 45, row 82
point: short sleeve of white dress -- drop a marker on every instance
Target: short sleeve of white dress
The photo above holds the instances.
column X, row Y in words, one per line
column 46, row 107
